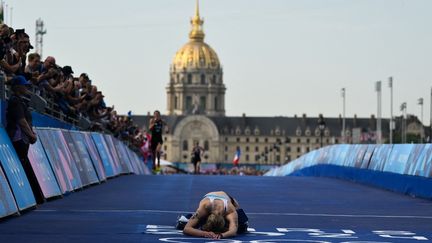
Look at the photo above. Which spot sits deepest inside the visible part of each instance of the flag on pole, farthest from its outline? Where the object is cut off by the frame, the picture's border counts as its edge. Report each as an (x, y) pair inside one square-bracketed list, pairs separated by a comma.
[(236, 159)]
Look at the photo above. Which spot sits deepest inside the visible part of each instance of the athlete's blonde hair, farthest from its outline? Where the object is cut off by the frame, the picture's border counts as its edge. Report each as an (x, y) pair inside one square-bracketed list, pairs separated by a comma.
[(215, 223)]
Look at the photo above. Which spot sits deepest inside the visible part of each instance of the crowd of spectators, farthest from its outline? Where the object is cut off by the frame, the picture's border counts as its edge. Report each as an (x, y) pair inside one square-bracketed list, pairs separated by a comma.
[(76, 96)]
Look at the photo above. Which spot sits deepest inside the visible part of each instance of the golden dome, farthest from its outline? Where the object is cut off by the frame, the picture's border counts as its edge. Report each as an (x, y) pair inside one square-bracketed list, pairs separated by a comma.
[(196, 53)]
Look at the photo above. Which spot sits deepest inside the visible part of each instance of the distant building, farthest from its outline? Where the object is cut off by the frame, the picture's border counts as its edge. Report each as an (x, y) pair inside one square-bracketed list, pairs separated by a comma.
[(196, 113)]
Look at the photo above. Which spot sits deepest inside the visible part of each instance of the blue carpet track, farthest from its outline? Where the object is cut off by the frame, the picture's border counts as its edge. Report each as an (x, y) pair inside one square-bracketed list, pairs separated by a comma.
[(280, 209)]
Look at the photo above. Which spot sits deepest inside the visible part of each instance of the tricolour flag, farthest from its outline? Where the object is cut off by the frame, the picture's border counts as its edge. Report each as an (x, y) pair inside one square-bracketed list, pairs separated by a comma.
[(236, 159)]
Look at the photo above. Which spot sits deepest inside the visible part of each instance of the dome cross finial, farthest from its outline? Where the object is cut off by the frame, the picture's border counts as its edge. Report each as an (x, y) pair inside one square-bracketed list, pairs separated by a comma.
[(197, 9), (197, 32)]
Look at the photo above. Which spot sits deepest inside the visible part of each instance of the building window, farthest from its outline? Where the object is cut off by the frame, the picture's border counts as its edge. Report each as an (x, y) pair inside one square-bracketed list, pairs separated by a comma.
[(189, 78), (206, 145), (298, 149), (247, 140), (277, 158), (226, 148), (298, 140), (178, 78), (165, 148), (256, 149), (336, 140), (288, 149), (266, 140), (238, 139), (247, 157), (317, 141), (203, 102), (247, 148), (289, 158), (216, 105), (185, 145), (176, 102), (287, 140), (188, 103), (226, 139), (307, 140), (203, 81), (256, 140), (226, 157), (185, 157), (213, 79), (307, 149)]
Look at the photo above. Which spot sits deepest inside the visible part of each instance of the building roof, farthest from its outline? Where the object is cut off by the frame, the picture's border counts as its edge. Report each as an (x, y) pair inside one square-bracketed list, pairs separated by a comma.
[(278, 125)]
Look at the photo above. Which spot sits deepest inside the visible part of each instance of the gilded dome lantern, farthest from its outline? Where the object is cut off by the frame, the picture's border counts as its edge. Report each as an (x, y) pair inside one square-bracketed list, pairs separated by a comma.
[(196, 83)]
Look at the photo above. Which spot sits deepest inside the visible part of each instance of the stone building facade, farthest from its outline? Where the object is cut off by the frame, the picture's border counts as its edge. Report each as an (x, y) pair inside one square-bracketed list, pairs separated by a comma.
[(196, 113)]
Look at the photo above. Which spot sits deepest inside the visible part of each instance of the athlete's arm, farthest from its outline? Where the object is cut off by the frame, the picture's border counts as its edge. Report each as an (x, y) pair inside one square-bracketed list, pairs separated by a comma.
[(190, 228), (232, 225), (152, 123)]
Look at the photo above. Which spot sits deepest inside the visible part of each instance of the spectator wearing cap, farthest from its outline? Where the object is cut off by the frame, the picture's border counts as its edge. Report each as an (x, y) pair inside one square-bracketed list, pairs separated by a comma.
[(20, 131)]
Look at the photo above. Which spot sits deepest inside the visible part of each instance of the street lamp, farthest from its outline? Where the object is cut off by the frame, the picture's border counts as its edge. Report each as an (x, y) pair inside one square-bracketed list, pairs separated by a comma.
[(390, 84), (420, 102), (403, 108), (378, 130), (343, 115), (321, 127)]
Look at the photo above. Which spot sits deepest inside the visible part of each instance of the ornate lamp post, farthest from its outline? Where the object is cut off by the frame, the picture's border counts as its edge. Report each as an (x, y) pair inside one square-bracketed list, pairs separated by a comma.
[(321, 127)]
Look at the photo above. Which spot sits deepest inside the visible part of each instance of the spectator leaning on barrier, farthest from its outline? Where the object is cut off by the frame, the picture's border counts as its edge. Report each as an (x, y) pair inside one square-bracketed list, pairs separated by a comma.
[(20, 131)]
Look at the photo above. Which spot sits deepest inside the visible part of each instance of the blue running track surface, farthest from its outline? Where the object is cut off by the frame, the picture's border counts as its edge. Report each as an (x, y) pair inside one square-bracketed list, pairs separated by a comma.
[(280, 209)]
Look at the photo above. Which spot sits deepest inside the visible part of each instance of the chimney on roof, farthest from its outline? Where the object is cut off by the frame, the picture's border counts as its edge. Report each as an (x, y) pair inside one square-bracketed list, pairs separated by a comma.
[(355, 120), (340, 119), (295, 115), (244, 115)]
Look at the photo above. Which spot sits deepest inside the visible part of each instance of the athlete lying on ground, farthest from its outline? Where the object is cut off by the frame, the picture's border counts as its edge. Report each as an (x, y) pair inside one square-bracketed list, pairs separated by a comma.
[(218, 216)]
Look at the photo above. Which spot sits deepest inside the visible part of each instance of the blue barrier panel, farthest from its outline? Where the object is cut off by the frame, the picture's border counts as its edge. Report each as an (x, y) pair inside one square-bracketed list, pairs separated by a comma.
[(342, 154), (367, 156), (412, 185), (82, 159), (94, 155), (108, 163), (15, 173), (355, 155), (121, 168), (322, 158), (398, 159), (135, 166), (123, 158), (7, 201), (421, 161), (66, 157), (43, 171), (380, 157), (52, 144)]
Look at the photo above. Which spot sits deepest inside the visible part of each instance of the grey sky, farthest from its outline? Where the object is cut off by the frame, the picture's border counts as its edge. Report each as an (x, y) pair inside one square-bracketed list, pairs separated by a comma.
[(280, 57)]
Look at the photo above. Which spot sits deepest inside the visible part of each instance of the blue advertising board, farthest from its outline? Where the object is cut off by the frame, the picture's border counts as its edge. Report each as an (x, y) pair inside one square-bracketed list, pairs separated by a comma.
[(367, 156), (120, 167), (420, 162), (94, 155), (123, 158), (398, 160), (43, 171), (58, 163), (15, 173), (380, 157), (105, 155), (82, 159), (7, 201)]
